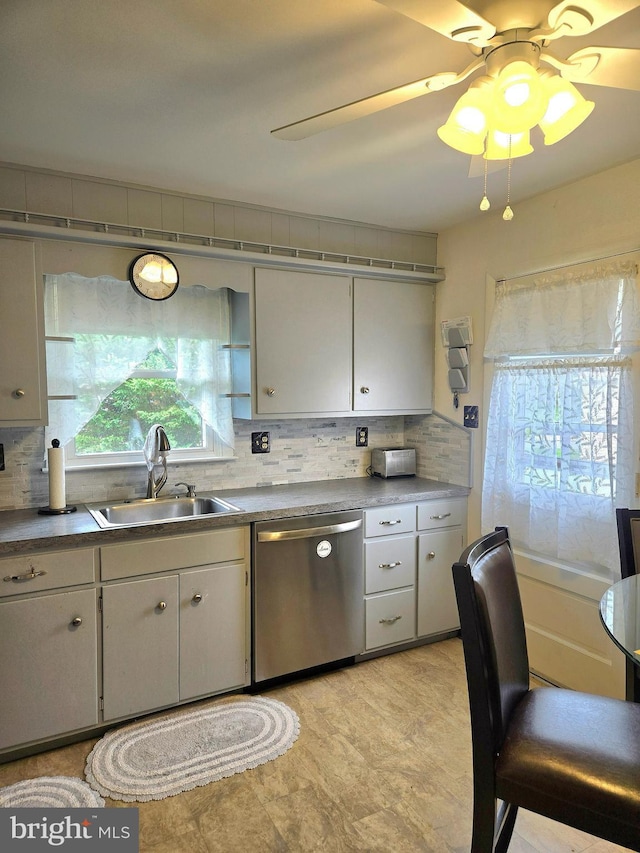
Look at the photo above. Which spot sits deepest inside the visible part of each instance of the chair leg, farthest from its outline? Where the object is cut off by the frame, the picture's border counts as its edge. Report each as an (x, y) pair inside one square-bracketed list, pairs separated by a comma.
[(492, 826)]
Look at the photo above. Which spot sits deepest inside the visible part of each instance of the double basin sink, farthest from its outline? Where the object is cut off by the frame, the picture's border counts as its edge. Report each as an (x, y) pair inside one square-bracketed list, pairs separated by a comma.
[(157, 510)]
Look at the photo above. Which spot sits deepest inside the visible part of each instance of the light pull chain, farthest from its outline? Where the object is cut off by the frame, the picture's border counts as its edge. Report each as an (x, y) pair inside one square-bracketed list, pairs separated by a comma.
[(508, 213), (485, 204)]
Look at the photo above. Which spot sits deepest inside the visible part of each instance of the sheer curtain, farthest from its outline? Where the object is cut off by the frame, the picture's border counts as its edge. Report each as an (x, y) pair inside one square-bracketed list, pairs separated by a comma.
[(559, 450), (190, 329)]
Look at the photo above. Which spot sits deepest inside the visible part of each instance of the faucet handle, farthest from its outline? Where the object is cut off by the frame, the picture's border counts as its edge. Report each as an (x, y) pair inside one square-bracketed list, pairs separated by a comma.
[(191, 489)]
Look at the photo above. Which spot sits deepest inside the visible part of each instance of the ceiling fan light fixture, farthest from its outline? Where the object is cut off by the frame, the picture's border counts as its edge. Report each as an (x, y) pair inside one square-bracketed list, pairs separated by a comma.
[(519, 98), (566, 109)]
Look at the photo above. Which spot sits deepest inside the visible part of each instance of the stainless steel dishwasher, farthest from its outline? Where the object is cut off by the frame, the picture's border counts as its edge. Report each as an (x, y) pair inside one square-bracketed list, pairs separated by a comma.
[(308, 592)]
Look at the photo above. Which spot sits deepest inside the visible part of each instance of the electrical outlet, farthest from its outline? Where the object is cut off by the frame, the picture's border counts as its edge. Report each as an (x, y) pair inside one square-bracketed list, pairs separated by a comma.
[(471, 417), (1, 457), (362, 436), (260, 442)]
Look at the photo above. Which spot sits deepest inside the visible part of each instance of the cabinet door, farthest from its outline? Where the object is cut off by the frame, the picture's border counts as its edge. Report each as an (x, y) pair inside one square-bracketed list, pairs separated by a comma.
[(213, 630), (140, 646), (22, 385), (392, 346), (437, 607), (48, 666), (303, 342)]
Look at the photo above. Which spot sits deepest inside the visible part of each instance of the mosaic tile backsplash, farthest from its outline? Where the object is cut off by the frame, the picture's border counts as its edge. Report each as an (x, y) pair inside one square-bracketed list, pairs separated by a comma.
[(301, 451)]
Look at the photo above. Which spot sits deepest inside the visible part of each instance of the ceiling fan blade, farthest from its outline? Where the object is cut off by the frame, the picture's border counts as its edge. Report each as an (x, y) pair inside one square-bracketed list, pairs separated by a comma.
[(448, 17), (373, 104), (585, 16), (618, 67)]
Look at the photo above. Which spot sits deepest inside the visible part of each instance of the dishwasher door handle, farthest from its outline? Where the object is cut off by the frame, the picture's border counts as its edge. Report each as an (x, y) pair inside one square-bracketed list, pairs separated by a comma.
[(308, 532)]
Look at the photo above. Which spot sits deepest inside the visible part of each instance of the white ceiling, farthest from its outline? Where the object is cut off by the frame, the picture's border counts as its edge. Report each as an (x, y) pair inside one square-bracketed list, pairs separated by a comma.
[(182, 94)]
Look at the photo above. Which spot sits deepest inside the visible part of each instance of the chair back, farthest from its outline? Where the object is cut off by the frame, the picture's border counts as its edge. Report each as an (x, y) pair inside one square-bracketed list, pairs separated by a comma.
[(628, 521), (493, 638)]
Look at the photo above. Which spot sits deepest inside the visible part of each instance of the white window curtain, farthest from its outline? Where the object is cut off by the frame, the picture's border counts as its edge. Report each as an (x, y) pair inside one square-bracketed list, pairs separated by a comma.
[(559, 449), (190, 329)]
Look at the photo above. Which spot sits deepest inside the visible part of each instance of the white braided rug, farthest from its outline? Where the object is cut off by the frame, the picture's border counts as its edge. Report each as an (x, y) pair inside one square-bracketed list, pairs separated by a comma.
[(153, 760), (50, 792)]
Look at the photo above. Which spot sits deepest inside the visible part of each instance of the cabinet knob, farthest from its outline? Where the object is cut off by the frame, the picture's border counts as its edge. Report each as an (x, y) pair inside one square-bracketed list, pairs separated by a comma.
[(431, 555), (76, 622), (162, 605), (19, 392), (364, 390), (197, 598), (271, 392)]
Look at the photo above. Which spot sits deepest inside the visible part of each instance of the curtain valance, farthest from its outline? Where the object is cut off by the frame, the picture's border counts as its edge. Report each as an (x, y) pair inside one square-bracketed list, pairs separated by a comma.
[(591, 309)]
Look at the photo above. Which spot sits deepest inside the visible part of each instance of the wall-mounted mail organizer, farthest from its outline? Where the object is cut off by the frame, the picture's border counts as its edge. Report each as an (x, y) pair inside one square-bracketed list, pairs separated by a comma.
[(457, 337)]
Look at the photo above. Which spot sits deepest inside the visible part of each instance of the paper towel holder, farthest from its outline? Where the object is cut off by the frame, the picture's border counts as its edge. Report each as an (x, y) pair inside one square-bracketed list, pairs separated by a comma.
[(48, 510)]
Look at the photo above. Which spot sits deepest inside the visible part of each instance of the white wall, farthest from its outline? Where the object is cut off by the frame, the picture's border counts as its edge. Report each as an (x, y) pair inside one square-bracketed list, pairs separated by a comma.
[(592, 218)]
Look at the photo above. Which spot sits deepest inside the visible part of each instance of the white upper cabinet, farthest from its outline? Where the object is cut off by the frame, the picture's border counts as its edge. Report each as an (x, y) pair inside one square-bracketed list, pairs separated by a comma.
[(22, 378), (333, 345), (303, 342), (392, 346)]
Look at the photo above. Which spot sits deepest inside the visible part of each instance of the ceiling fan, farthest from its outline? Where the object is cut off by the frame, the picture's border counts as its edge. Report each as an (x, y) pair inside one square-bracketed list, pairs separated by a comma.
[(509, 40)]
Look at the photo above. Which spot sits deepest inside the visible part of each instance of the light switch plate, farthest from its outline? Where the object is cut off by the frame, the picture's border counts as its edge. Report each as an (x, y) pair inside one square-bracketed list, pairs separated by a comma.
[(471, 416)]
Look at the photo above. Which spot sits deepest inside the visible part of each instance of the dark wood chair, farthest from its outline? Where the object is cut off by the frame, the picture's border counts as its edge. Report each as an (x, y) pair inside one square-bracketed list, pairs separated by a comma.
[(572, 757), (629, 542)]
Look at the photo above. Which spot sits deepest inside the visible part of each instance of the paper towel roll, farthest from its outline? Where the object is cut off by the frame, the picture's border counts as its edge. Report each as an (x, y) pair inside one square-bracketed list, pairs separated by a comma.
[(55, 454)]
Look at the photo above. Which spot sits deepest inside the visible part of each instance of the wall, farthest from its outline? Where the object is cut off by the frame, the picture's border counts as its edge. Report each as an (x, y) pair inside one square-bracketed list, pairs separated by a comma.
[(591, 218)]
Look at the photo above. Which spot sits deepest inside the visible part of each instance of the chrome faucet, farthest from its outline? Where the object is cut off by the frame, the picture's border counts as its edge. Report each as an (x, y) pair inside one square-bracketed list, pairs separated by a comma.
[(156, 448)]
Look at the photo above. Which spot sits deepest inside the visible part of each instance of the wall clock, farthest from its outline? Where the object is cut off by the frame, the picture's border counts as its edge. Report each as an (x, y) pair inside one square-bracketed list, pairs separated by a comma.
[(154, 276)]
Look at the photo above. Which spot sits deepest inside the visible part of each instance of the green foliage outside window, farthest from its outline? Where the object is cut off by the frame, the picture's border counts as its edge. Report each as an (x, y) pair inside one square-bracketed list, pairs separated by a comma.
[(126, 415)]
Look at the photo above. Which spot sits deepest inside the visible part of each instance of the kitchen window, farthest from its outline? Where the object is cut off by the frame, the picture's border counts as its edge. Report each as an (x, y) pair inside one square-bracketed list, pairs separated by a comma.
[(560, 449), (117, 364)]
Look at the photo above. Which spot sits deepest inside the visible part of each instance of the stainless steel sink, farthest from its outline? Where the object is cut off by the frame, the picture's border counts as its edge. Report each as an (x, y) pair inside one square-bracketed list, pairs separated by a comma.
[(156, 511)]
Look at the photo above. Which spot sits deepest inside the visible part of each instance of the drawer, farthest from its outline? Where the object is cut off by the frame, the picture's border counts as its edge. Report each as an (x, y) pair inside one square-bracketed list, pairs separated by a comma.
[(389, 563), (149, 556), (388, 520), (448, 512), (38, 571), (390, 618)]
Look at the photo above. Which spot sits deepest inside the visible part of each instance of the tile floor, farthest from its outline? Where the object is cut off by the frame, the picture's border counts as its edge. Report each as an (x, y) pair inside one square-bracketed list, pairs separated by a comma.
[(383, 763)]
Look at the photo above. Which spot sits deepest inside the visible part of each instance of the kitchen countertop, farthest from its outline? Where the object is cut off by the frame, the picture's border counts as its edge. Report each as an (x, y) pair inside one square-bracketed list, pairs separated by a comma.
[(25, 530)]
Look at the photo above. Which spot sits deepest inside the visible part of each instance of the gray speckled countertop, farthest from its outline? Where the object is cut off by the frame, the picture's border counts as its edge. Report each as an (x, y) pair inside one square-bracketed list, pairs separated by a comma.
[(25, 530)]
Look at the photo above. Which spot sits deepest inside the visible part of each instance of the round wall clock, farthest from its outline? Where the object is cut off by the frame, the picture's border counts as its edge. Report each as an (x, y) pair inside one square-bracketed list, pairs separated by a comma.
[(153, 276)]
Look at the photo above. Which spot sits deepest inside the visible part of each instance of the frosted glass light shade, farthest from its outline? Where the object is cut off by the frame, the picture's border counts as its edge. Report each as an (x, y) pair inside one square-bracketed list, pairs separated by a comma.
[(519, 98), (498, 147), (566, 109), (466, 128)]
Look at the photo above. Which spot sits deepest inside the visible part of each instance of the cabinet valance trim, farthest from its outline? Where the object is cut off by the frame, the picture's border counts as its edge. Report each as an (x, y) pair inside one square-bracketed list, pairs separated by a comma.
[(43, 226)]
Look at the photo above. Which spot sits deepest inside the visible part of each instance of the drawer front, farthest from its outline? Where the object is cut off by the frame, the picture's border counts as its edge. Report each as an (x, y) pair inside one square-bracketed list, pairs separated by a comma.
[(170, 553), (389, 520), (449, 512), (390, 563), (39, 571), (390, 618)]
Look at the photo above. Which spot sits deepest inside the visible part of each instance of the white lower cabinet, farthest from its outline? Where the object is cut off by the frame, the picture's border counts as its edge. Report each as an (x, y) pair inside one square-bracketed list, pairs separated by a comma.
[(139, 646), (438, 549), (49, 672), (409, 551), (178, 635)]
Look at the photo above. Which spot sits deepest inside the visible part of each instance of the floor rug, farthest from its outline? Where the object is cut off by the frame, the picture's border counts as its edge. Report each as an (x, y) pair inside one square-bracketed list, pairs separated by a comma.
[(50, 792), (166, 756)]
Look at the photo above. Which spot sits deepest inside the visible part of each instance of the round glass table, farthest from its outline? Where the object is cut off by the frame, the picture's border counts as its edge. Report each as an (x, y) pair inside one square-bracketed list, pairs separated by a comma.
[(620, 614)]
